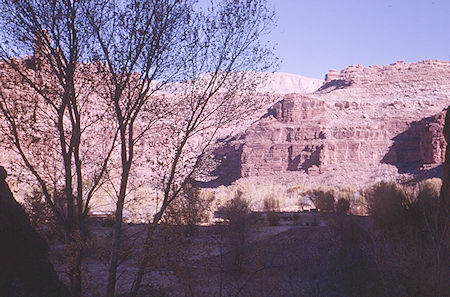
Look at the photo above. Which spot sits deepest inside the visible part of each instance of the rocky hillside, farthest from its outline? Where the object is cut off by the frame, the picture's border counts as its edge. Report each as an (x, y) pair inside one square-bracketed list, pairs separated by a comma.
[(363, 124), (356, 126)]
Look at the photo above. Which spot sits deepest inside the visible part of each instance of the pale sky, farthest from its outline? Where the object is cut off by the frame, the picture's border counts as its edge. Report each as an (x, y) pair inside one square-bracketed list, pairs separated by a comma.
[(314, 36)]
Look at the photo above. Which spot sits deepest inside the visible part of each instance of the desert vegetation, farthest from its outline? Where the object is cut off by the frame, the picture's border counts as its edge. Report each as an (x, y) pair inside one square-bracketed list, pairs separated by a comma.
[(124, 103), (98, 88), (376, 254), (406, 233)]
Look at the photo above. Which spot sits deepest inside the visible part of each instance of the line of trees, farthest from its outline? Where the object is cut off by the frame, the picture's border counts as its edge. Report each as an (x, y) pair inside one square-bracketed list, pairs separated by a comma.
[(84, 106)]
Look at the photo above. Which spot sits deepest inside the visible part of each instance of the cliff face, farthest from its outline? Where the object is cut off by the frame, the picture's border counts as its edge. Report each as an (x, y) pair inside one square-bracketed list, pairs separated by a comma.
[(290, 138), (428, 78), (360, 119), (378, 119)]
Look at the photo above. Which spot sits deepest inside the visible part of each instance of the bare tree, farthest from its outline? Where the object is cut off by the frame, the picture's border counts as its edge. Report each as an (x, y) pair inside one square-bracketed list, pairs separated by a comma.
[(146, 45), (58, 120), (138, 41), (220, 57), (46, 103)]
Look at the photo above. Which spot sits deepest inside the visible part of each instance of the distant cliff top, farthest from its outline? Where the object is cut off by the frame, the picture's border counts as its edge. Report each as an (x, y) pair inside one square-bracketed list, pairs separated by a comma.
[(283, 83), (424, 79)]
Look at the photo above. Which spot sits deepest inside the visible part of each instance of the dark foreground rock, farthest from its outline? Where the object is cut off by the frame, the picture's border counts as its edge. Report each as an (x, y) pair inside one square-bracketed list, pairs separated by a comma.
[(25, 269)]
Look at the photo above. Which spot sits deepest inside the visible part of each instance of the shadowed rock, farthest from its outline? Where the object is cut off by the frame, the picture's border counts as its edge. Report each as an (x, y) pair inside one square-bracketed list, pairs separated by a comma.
[(24, 266), (445, 190), (422, 143)]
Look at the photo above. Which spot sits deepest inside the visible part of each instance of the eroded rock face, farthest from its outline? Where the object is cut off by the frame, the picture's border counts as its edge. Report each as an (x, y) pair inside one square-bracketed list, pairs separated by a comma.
[(362, 117), (290, 139), (300, 137), (333, 74), (24, 266), (295, 108), (432, 142), (409, 80)]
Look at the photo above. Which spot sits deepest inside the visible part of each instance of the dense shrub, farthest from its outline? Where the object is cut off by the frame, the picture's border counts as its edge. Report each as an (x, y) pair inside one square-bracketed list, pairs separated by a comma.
[(272, 209), (41, 216), (237, 212), (342, 206), (428, 197), (393, 208), (323, 199), (386, 203), (408, 228), (190, 209), (405, 254)]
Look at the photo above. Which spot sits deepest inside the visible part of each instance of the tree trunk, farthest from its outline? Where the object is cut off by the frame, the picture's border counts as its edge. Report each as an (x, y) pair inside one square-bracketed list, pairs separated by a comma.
[(145, 257), (117, 234), (75, 271)]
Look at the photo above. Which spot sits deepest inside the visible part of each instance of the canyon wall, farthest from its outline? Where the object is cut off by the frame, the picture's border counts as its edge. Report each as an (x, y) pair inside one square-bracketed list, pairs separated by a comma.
[(361, 118), (357, 121)]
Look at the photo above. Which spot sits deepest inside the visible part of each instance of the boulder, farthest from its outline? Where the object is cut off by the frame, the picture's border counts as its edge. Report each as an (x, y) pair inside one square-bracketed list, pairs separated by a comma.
[(25, 269)]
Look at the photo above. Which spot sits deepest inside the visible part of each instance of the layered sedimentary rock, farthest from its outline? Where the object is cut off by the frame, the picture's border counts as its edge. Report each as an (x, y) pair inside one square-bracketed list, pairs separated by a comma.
[(333, 74), (360, 118), (428, 78), (277, 143)]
